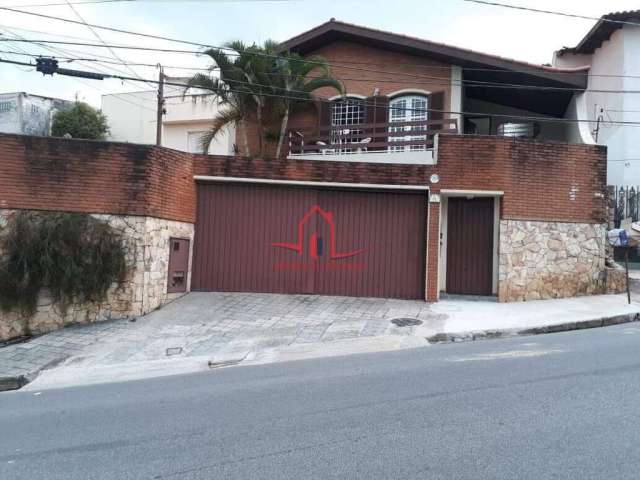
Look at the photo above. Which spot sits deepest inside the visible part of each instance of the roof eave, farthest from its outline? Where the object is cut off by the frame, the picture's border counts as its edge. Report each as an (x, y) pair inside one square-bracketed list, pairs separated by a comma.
[(454, 55)]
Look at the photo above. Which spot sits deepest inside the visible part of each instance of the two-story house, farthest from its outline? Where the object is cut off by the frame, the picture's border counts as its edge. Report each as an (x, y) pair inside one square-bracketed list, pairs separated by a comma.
[(611, 53), (441, 171)]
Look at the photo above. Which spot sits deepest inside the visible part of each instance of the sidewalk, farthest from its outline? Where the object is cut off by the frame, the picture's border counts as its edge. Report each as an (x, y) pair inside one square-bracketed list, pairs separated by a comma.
[(208, 330)]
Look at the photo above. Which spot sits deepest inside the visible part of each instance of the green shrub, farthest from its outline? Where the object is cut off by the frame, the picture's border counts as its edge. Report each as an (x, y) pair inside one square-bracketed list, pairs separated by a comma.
[(81, 121), (76, 256)]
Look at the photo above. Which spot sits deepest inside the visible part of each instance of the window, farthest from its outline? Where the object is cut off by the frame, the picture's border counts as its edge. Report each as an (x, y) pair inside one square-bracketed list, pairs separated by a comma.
[(349, 111), (6, 106), (412, 110), (194, 141)]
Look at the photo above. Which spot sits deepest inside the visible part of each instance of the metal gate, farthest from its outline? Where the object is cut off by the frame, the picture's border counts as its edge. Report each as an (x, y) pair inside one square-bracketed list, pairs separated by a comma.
[(257, 238)]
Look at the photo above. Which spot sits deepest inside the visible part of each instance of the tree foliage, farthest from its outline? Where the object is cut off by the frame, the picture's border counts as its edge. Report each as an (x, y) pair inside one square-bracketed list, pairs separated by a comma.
[(76, 256), (261, 83), (81, 121)]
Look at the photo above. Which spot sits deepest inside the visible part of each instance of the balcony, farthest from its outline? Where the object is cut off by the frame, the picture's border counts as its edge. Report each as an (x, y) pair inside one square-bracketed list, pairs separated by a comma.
[(410, 142)]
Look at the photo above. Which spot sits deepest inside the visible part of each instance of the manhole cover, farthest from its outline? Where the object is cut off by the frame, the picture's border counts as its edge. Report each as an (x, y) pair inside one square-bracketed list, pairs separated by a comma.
[(406, 322)]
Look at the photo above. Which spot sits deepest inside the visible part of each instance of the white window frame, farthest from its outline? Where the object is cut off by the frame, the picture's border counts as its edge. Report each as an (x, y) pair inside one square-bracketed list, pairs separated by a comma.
[(408, 113), (354, 114)]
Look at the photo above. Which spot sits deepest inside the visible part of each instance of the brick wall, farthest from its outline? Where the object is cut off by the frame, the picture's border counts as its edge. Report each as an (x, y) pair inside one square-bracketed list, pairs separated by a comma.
[(363, 72), (43, 173), (540, 180)]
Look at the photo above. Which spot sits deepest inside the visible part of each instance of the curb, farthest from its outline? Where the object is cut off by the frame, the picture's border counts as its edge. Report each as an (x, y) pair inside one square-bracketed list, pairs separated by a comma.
[(561, 327), (13, 383)]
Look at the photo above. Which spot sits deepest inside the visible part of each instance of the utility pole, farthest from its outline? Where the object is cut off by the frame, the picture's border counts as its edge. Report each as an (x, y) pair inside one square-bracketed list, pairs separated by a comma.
[(160, 112)]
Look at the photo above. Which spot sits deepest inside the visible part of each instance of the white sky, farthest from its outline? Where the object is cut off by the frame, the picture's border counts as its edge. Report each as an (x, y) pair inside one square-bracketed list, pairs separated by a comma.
[(526, 36)]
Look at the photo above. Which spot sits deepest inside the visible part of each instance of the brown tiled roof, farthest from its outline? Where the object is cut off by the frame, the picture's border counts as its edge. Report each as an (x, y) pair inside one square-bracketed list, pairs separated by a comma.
[(602, 31), (334, 29)]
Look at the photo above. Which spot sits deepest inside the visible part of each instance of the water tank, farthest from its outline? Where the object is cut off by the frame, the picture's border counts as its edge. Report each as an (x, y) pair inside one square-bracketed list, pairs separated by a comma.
[(520, 129)]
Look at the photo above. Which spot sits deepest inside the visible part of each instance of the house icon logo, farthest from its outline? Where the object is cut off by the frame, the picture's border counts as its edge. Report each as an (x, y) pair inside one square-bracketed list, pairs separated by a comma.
[(317, 245)]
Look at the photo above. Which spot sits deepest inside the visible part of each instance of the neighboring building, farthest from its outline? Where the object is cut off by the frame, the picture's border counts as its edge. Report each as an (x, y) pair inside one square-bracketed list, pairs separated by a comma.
[(611, 52), (132, 118), (28, 114)]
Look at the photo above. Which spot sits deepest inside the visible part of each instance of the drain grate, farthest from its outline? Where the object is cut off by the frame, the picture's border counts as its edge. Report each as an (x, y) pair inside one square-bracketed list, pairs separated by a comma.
[(406, 322)]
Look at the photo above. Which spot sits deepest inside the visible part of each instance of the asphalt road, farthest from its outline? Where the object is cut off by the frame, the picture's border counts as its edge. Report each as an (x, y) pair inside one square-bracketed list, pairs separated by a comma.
[(555, 406)]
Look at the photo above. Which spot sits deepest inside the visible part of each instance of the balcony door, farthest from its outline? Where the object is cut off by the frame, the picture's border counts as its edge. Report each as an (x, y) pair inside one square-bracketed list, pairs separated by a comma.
[(346, 116), (410, 112)]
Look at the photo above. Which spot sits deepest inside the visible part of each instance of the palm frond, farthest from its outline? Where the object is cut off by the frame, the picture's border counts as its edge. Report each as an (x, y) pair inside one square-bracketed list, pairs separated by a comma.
[(222, 119)]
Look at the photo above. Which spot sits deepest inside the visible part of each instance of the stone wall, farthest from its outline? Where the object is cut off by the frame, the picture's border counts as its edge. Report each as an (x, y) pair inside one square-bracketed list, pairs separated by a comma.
[(540, 260), (145, 287)]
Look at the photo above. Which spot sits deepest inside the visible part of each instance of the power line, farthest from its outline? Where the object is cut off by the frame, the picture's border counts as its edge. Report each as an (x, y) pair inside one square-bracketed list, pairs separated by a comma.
[(97, 35), (129, 32), (57, 50), (469, 83), (111, 62), (53, 49), (84, 2), (386, 107), (551, 12), (187, 42)]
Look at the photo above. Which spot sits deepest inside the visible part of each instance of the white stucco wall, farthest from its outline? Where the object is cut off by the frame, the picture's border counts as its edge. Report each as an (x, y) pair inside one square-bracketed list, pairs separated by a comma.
[(132, 118), (27, 114), (620, 55)]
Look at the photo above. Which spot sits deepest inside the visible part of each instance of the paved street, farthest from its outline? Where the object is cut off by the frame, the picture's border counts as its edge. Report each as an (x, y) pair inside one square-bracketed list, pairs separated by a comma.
[(552, 406)]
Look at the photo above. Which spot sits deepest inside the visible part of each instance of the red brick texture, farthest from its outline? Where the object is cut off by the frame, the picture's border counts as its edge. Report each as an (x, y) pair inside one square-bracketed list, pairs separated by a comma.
[(540, 180), (42, 173), (361, 69)]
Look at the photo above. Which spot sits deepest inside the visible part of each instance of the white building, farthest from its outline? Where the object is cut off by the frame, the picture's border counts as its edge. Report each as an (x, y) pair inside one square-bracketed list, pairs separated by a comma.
[(132, 118), (28, 114), (612, 51)]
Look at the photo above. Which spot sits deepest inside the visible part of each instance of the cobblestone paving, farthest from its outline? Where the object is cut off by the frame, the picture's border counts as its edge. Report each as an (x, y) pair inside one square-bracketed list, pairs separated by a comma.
[(216, 324)]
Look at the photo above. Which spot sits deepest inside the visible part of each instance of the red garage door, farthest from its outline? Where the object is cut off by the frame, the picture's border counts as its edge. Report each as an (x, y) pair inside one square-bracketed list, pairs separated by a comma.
[(256, 238)]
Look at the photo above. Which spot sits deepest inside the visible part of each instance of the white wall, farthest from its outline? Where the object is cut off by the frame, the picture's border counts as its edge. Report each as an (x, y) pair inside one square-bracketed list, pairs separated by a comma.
[(620, 55), (186, 137), (27, 114), (10, 113), (132, 118)]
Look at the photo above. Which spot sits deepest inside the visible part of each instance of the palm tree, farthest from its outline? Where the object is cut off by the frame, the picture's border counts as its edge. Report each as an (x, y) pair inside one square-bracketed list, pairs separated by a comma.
[(294, 86), (260, 81), (233, 89)]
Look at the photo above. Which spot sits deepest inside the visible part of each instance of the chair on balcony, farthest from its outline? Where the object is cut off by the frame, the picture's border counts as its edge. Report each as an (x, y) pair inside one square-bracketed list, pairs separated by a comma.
[(324, 151), (364, 141)]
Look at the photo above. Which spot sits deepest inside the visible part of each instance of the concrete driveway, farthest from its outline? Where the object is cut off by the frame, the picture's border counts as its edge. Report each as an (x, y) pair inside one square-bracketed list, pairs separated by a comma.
[(210, 329), (207, 330)]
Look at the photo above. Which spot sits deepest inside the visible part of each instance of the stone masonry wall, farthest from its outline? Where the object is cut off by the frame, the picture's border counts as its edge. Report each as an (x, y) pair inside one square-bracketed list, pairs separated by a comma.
[(145, 287), (541, 260)]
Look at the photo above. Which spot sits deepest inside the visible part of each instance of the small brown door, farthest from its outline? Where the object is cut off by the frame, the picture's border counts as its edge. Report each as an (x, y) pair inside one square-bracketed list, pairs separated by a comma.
[(178, 265), (470, 224)]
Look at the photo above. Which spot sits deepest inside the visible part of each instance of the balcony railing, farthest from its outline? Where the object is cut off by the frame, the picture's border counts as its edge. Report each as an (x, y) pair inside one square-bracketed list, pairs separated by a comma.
[(394, 137)]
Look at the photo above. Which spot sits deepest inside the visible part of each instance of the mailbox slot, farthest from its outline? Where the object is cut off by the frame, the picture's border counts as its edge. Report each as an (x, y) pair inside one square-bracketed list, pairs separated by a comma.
[(178, 265)]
